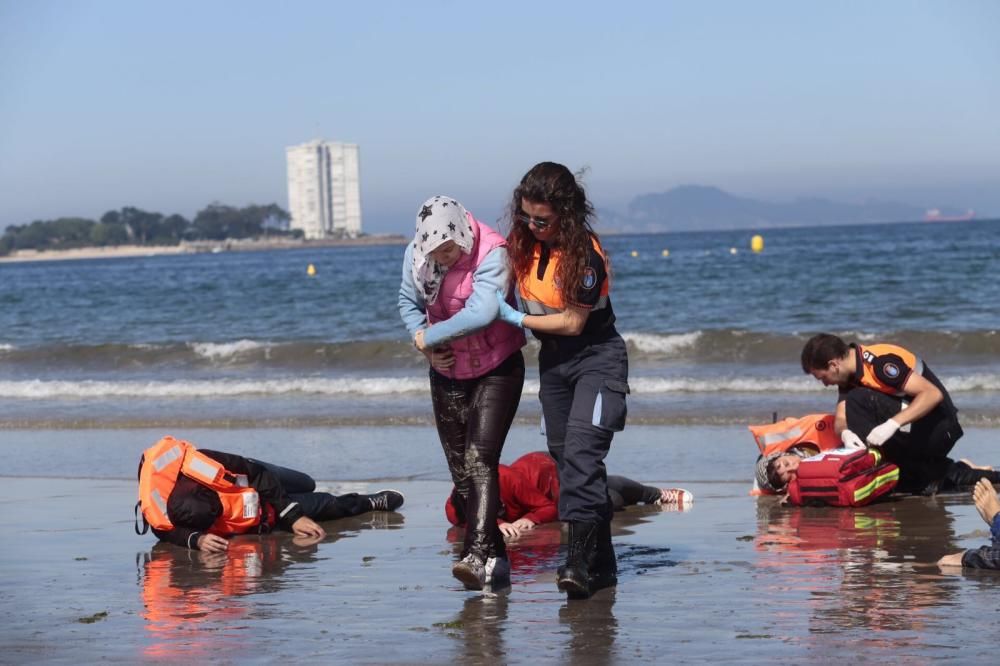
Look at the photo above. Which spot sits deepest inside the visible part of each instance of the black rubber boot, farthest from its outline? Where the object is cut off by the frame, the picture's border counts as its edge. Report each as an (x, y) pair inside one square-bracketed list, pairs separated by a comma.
[(604, 569), (573, 578)]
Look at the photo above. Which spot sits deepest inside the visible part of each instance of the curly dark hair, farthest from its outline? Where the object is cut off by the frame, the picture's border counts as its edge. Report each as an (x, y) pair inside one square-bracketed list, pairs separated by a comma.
[(553, 184)]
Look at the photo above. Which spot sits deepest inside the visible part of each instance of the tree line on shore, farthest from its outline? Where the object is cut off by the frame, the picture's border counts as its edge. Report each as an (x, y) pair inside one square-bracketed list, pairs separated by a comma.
[(133, 226)]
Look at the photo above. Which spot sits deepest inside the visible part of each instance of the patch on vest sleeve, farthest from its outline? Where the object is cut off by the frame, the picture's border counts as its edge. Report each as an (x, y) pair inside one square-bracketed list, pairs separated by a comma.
[(589, 280)]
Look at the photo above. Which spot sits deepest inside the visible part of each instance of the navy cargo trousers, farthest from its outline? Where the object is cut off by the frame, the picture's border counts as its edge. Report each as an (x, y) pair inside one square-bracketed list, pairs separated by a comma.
[(583, 384)]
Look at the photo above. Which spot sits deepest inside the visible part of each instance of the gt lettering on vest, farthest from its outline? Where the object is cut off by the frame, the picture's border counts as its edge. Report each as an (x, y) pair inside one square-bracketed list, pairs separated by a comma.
[(481, 351), (159, 469), (541, 294)]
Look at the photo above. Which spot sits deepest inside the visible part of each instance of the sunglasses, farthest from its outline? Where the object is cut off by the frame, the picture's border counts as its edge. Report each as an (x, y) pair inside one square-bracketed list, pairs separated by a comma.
[(540, 223)]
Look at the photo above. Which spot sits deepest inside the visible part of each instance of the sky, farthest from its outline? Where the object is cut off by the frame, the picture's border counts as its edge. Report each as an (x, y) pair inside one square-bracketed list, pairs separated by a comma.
[(172, 106)]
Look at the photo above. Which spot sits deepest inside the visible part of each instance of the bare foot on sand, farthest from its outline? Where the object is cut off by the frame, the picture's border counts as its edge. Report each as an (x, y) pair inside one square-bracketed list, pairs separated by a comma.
[(954, 560), (986, 500), (975, 466)]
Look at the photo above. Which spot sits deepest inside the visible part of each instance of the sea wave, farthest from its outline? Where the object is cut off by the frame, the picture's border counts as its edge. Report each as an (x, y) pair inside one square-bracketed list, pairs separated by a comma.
[(219, 351), (39, 389), (670, 344), (243, 353), (941, 349), (938, 348), (385, 386)]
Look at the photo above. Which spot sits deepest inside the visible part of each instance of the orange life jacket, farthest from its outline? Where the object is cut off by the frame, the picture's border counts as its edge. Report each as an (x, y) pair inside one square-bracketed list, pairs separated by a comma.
[(812, 429), (159, 468)]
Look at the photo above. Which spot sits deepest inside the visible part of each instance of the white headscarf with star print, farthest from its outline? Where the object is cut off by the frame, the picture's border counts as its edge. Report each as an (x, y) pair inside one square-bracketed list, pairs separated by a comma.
[(439, 220)]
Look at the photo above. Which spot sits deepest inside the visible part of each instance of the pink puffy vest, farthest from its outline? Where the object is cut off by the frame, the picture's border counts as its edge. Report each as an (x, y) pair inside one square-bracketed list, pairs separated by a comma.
[(477, 353)]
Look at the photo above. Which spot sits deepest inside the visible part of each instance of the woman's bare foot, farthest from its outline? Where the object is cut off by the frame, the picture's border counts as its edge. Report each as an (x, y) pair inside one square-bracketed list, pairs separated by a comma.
[(986, 500), (975, 466), (953, 560)]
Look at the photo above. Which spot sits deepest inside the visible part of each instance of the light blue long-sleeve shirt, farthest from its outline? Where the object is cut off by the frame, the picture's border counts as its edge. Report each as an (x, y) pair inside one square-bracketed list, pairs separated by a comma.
[(480, 309)]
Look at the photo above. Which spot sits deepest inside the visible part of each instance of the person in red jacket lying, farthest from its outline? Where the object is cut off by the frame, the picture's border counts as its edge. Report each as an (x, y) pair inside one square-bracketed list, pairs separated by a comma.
[(529, 495)]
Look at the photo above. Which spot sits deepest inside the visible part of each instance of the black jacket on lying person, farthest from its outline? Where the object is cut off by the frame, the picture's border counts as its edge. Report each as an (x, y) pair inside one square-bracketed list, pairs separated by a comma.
[(193, 507)]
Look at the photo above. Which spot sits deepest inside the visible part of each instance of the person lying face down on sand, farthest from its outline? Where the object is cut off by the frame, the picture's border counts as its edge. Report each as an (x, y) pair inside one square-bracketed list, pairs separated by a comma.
[(529, 494), (984, 557)]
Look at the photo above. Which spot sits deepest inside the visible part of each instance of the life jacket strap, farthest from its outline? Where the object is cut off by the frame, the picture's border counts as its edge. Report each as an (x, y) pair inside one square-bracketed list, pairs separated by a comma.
[(138, 514)]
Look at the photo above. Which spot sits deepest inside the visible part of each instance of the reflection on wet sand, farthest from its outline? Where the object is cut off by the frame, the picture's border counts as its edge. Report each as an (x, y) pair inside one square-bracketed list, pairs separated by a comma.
[(864, 568), (198, 604), (590, 626), (480, 626), (593, 628), (535, 554)]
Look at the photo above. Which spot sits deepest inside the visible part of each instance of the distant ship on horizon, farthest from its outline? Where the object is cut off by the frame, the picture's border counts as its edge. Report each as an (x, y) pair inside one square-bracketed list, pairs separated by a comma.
[(935, 215)]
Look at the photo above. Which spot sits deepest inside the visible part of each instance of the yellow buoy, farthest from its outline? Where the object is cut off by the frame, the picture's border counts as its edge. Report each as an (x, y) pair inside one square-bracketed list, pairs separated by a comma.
[(757, 243), (635, 253), (665, 253), (311, 270)]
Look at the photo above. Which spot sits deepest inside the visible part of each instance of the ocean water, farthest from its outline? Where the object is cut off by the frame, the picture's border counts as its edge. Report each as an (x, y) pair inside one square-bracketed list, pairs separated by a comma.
[(714, 330)]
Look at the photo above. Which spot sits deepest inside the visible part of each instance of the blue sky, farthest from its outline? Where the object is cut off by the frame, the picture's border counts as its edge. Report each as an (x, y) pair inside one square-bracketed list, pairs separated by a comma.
[(169, 106)]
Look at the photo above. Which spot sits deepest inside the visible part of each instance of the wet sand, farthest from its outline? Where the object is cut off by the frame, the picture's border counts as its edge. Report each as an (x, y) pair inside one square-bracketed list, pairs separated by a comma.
[(733, 579)]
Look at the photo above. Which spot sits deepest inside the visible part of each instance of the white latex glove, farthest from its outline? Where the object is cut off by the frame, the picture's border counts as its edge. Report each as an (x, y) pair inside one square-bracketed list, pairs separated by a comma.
[(881, 434), (850, 440)]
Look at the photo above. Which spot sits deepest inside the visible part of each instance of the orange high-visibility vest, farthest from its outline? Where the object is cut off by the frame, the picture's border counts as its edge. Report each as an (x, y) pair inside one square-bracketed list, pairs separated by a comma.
[(868, 353), (542, 296), (158, 471)]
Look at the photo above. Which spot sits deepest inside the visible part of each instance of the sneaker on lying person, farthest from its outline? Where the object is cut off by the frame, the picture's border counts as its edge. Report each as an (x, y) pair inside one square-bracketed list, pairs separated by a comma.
[(386, 500), (675, 496)]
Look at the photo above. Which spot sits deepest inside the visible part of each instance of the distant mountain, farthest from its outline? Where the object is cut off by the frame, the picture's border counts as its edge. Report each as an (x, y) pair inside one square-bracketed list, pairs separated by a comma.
[(690, 207)]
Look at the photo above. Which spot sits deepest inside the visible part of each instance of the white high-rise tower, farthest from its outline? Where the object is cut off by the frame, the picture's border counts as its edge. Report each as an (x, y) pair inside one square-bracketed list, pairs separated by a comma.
[(324, 191)]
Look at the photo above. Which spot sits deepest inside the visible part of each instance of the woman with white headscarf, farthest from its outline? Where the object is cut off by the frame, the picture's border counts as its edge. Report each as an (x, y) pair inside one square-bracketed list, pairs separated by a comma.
[(448, 300)]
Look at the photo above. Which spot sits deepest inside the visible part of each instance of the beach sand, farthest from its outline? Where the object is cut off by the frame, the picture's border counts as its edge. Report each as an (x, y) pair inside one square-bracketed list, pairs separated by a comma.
[(116, 252), (192, 247), (733, 579)]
